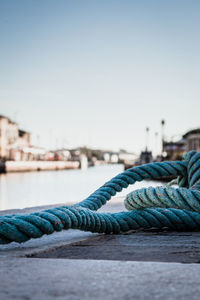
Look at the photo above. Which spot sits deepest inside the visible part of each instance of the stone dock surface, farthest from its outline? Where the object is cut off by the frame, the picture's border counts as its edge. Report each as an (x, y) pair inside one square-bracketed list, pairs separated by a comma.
[(80, 265)]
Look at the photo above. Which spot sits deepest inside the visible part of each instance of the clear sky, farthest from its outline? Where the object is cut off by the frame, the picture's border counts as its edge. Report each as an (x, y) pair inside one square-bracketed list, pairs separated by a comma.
[(98, 72)]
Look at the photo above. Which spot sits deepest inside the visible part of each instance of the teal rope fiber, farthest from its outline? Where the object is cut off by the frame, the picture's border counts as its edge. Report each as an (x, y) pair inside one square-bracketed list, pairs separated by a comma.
[(173, 208)]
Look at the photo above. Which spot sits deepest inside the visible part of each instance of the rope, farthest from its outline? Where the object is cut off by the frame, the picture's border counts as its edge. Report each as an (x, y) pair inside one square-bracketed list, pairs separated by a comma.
[(161, 207)]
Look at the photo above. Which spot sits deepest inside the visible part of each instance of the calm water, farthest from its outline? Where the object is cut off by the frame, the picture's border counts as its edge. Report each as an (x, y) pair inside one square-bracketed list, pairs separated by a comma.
[(19, 190)]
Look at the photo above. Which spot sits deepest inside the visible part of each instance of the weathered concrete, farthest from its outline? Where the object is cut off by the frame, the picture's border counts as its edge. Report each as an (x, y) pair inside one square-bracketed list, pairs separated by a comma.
[(108, 270), (93, 279), (139, 246)]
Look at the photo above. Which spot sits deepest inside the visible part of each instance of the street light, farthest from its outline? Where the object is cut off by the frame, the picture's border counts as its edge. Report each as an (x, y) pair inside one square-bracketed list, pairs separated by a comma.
[(162, 134), (147, 138)]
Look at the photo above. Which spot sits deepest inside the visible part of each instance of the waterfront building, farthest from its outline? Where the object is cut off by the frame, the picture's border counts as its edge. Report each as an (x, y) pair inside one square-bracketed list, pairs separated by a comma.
[(127, 156), (119, 157), (8, 135), (111, 157), (192, 140), (62, 154), (174, 150), (12, 139)]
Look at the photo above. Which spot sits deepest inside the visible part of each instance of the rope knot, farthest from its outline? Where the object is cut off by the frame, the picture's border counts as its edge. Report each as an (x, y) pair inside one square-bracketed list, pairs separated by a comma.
[(187, 196)]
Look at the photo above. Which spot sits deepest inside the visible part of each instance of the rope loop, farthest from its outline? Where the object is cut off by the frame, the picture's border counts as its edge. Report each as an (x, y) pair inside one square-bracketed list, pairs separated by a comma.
[(160, 207)]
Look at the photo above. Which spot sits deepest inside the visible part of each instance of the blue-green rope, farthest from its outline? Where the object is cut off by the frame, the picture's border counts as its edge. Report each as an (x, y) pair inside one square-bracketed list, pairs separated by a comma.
[(165, 206)]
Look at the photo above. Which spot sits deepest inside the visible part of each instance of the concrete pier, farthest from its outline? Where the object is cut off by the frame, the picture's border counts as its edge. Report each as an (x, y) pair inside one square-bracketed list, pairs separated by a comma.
[(24, 166), (80, 265)]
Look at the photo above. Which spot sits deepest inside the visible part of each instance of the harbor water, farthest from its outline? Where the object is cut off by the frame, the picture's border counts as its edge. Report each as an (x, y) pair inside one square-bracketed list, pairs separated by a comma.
[(27, 189)]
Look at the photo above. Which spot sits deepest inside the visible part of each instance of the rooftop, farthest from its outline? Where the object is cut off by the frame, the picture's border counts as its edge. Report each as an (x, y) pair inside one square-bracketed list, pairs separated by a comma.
[(193, 131), (4, 117)]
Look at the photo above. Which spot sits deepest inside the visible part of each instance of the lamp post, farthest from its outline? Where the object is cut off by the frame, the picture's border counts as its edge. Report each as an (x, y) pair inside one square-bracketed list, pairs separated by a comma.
[(147, 138), (162, 134), (156, 143)]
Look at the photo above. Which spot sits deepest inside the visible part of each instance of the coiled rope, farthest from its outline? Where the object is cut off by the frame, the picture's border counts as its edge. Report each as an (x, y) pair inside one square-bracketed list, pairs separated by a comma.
[(160, 207)]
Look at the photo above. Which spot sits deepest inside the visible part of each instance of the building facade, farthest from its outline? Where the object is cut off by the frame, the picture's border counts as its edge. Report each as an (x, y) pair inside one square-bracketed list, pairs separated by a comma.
[(192, 140), (12, 139), (174, 150)]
